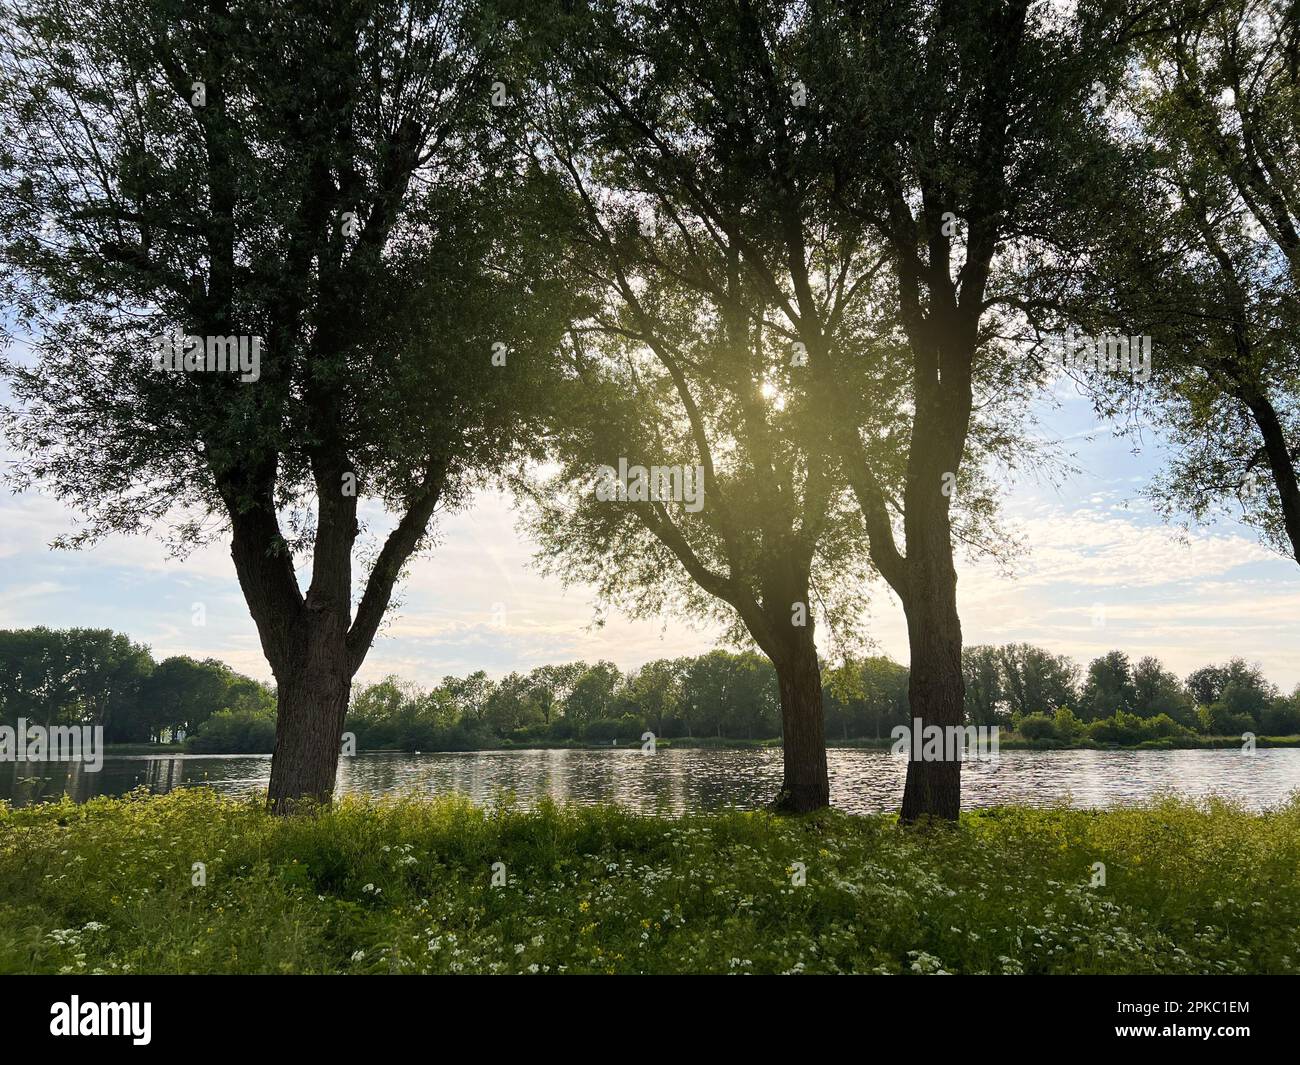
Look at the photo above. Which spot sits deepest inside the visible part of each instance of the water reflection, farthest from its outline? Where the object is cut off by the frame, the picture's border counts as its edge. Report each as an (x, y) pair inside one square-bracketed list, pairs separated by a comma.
[(678, 780)]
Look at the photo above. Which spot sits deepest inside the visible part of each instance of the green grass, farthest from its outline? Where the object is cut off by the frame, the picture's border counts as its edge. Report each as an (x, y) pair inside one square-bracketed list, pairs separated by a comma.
[(405, 886)]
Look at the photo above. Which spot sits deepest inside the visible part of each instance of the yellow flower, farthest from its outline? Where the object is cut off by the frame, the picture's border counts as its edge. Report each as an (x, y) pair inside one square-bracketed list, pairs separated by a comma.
[(584, 906)]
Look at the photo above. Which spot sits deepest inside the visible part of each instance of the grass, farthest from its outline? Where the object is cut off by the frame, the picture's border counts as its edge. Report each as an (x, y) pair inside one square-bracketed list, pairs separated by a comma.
[(405, 887)]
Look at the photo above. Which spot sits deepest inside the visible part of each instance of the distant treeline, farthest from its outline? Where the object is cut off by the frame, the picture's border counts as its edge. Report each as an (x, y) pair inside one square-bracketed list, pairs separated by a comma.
[(734, 696), (100, 677), (95, 676)]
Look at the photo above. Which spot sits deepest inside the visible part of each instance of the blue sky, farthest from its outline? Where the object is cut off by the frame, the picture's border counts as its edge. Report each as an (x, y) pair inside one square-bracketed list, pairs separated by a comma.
[(1100, 571)]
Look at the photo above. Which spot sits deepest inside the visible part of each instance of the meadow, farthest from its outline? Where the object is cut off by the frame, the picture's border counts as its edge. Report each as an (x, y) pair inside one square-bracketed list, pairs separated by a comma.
[(191, 882)]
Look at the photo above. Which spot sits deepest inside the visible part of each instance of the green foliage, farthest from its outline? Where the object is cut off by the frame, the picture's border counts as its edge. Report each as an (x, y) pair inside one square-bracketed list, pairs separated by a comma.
[(1282, 718), (1219, 720), (403, 886), (328, 186), (1128, 729), (84, 675), (235, 732), (607, 729), (62, 676), (96, 676), (1158, 691), (1108, 688), (1017, 678), (867, 697), (1038, 727), (1068, 725), (1209, 260)]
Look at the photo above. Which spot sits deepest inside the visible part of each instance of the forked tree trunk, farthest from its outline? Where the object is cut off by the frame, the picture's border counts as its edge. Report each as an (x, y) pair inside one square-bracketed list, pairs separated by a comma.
[(806, 785), (936, 693)]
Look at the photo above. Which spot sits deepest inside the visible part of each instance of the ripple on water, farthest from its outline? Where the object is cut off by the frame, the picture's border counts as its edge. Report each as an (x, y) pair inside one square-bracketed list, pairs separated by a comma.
[(862, 781)]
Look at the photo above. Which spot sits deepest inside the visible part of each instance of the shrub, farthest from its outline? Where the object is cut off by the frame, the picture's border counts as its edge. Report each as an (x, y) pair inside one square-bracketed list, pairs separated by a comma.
[(534, 733), (1068, 724), (1282, 718), (1162, 725), (1120, 728), (562, 729), (1038, 727), (1129, 729), (625, 729), (235, 732), (1219, 720)]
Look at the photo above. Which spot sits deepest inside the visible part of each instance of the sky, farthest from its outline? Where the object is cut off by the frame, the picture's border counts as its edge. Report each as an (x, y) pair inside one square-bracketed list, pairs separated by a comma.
[(1099, 571)]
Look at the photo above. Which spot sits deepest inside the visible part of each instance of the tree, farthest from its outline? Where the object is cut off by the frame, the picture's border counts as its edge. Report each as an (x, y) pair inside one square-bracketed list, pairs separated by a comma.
[(109, 674), (470, 695), (689, 364), (1282, 718), (982, 677), (375, 712), (74, 676), (752, 709), (1210, 258), (323, 194), (37, 681), (513, 705), (1108, 687), (592, 696), (1158, 691), (844, 178), (181, 693), (1237, 685), (550, 687), (654, 691), (1245, 689), (922, 118), (729, 694), (1036, 680), (1206, 684), (868, 696)]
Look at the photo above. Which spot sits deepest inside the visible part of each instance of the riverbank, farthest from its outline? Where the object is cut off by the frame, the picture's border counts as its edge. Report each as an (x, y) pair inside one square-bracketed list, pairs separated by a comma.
[(1013, 741), (1008, 741), (194, 883)]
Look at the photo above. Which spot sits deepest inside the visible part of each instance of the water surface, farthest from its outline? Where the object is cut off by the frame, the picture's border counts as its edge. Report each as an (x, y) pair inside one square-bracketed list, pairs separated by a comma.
[(862, 781)]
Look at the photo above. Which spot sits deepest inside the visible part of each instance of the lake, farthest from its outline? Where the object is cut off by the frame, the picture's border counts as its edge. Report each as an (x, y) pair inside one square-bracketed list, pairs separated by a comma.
[(862, 781)]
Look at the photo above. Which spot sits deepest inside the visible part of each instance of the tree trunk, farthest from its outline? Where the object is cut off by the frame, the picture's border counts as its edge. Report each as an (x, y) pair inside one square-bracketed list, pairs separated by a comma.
[(308, 737), (806, 785), (936, 693), (311, 704), (1280, 462)]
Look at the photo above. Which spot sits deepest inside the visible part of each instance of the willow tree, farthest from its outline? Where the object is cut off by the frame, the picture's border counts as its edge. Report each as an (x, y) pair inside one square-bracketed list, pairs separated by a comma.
[(1210, 263), (965, 138), (686, 365), (859, 168), (726, 511), (739, 137), (327, 182)]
